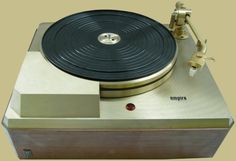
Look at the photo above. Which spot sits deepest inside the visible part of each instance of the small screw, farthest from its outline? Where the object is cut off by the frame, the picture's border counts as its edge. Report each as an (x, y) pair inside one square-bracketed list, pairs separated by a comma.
[(27, 153)]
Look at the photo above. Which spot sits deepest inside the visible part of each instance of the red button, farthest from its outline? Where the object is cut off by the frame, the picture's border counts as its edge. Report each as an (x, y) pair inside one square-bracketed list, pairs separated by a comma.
[(130, 106)]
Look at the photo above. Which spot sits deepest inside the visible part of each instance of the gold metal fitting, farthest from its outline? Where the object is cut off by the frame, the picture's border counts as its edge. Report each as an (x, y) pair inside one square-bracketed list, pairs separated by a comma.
[(179, 19)]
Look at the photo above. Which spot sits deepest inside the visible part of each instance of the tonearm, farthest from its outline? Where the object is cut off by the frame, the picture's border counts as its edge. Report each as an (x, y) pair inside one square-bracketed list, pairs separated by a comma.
[(179, 19)]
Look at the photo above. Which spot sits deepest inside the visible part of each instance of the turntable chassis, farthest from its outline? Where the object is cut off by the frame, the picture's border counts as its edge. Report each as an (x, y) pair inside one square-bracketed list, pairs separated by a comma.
[(183, 118)]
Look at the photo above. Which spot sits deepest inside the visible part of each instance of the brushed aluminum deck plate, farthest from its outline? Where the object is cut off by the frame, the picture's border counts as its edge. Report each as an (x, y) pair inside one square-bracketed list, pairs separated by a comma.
[(181, 102)]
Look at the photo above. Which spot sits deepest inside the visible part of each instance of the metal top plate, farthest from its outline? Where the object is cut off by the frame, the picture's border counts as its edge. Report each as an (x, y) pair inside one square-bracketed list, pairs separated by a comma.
[(204, 107)]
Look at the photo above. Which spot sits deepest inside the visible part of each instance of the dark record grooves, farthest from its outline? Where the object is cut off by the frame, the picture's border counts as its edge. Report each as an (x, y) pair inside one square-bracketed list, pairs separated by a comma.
[(142, 46)]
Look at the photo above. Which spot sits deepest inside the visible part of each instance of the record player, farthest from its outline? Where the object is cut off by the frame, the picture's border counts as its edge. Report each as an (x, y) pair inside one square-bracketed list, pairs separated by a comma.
[(116, 84)]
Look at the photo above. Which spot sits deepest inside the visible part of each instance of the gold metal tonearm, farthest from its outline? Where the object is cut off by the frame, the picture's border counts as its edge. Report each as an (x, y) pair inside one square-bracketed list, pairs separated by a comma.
[(179, 18)]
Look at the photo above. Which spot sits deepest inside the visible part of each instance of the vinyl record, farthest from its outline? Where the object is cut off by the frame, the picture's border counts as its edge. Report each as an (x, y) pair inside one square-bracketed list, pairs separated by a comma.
[(109, 46)]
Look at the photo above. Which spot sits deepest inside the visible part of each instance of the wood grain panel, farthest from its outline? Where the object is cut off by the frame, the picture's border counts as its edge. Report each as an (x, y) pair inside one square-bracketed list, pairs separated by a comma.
[(174, 143)]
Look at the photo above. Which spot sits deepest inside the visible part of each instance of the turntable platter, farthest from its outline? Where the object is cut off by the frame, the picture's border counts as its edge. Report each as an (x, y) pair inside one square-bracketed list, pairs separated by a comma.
[(111, 46)]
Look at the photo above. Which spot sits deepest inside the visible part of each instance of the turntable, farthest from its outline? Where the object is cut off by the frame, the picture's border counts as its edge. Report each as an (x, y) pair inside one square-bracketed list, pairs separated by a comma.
[(116, 84)]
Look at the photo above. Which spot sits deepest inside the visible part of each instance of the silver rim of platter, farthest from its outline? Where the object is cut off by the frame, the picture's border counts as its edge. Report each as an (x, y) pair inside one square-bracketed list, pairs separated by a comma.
[(126, 52)]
